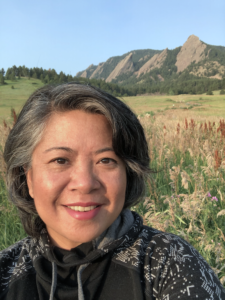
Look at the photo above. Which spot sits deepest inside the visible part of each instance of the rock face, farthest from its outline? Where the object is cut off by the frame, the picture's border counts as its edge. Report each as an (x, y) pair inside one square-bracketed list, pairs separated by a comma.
[(84, 74), (192, 50), (143, 58), (124, 66), (155, 62), (193, 53), (97, 71), (160, 77), (202, 71)]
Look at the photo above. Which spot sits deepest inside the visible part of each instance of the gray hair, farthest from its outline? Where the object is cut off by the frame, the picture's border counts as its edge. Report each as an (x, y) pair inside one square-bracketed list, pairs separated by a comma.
[(128, 140)]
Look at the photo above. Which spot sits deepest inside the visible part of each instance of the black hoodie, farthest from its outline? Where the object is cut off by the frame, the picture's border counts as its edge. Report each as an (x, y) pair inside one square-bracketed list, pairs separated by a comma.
[(128, 261)]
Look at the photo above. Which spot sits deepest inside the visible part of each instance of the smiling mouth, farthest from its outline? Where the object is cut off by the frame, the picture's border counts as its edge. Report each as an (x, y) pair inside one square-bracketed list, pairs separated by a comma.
[(83, 209)]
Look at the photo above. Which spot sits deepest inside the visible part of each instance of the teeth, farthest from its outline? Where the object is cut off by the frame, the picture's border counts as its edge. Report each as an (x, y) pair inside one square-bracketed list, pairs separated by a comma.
[(81, 208)]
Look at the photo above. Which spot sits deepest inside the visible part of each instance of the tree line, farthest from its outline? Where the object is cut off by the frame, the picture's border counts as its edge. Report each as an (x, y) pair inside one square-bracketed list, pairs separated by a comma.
[(50, 76), (174, 84)]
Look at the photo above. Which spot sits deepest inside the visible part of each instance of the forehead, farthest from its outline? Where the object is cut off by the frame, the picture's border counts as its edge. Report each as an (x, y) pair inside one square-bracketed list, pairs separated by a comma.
[(73, 128)]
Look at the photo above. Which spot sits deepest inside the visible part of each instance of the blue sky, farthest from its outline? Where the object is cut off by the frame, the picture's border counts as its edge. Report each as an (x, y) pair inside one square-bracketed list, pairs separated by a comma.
[(70, 35)]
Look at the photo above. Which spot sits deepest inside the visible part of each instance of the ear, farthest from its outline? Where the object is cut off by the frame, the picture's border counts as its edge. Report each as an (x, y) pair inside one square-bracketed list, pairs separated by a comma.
[(29, 175)]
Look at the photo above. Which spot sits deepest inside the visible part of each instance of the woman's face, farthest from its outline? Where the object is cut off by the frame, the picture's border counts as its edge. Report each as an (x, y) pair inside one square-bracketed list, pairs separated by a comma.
[(77, 181)]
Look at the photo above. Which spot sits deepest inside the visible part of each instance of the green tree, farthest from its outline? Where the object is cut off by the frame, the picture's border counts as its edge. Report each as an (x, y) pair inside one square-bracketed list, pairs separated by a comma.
[(55, 79), (46, 80), (12, 76), (222, 92), (209, 92), (1, 79), (171, 92), (2, 72)]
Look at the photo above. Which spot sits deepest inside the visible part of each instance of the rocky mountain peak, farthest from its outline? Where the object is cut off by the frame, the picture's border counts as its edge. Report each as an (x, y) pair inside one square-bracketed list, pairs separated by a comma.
[(155, 62), (124, 66), (192, 50)]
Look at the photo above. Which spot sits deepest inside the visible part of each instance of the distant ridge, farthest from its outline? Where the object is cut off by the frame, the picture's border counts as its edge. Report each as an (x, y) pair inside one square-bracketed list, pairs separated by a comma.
[(138, 66), (155, 62), (194, 68)]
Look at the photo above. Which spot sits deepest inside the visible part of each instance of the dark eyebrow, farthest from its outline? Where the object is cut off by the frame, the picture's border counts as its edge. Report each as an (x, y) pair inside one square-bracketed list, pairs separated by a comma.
[(70, 150), (59, 148), (104, 150)]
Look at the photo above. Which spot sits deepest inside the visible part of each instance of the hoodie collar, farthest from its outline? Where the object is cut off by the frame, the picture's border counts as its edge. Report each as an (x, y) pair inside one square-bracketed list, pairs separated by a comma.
[(124, 228)]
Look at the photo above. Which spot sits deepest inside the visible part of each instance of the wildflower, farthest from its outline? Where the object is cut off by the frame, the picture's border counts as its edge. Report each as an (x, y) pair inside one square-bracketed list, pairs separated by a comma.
[(209, 195), (219, 244), (212, 241), (214, 198)]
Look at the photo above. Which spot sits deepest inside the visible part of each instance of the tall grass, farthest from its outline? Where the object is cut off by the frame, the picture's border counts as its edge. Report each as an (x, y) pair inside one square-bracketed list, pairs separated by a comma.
[(186, 195), (11, 229)]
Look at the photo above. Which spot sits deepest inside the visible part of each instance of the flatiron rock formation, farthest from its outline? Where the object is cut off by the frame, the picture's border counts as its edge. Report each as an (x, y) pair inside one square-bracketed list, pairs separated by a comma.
[(192, 50), (97, 71), (155, 62), (83, 74), (138, 66), (86, 73), (124, 66)]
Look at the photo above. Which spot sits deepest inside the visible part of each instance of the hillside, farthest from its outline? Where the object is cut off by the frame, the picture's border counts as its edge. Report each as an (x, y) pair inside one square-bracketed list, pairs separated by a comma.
[(104, 69), (194, 61), (194, 68)]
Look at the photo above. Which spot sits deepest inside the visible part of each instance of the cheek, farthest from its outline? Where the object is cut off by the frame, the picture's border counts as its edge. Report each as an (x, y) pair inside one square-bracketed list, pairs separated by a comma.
[(116, 187), (46, 186)]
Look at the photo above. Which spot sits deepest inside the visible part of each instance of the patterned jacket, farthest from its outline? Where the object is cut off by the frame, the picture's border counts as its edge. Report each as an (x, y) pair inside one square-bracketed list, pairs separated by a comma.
[(144, 263)]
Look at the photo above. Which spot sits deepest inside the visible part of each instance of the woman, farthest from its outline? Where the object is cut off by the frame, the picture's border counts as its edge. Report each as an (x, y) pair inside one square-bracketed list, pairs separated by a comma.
[(77, 160)]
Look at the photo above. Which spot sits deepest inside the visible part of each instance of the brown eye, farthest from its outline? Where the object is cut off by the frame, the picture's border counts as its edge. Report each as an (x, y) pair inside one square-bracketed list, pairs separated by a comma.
[(107, 160), (61, 161)]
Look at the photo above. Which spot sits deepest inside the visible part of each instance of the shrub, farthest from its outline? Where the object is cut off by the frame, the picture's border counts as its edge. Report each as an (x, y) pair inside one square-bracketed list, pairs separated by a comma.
[(209, 92)]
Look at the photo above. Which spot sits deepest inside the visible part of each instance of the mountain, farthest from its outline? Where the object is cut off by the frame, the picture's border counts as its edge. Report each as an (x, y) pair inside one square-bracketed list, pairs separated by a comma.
[(195, 59), (104, 69), (194, 68)]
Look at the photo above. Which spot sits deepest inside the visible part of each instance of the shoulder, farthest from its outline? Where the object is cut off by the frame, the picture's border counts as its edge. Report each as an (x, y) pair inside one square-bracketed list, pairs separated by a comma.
[(180, 269), (159, 247), (135, 245), (14, 250), (14, 261), (166, 263)]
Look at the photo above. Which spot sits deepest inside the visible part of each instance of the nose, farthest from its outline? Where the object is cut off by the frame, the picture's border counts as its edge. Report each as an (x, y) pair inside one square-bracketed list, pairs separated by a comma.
[(83, 179)]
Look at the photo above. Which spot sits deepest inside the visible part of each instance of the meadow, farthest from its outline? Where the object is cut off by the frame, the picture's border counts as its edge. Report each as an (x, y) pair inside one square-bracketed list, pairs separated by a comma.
[(15, 97), (186, 191)]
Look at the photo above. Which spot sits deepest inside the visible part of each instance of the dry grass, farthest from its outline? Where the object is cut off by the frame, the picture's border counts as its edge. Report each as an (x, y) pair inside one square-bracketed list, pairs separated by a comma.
[(186, 195)]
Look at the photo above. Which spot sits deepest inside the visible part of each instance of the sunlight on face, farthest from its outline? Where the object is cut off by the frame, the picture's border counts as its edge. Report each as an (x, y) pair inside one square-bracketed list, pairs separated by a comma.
[(77, 181)]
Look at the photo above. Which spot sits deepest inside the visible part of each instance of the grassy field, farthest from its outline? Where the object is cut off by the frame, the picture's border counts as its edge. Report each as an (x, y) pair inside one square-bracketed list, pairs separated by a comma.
[(15, 98), (180, 105), (186, 194)]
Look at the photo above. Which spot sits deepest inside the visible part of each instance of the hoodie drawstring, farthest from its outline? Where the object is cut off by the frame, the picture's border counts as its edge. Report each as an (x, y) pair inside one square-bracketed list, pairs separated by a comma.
[(54, 280), (79, 281), (119, 227)]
